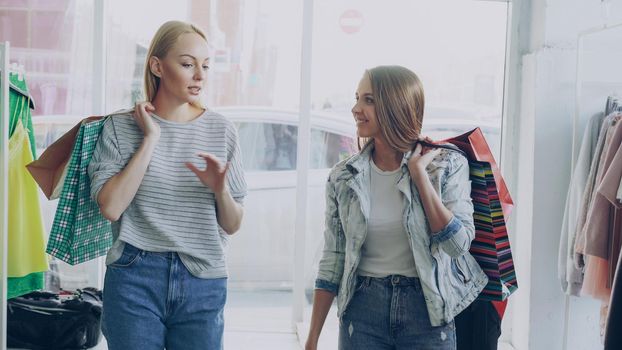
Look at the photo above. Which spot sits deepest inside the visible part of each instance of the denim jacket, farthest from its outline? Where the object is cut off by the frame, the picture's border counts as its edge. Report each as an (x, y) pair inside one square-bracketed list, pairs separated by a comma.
[(450, 277)]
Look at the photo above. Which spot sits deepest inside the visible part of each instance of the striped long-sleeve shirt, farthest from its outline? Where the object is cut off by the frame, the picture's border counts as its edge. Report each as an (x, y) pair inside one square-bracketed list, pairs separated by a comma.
[(172, 210)]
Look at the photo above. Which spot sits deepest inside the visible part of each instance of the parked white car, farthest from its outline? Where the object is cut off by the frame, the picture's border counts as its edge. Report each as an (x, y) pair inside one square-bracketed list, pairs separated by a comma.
[(263, 250)]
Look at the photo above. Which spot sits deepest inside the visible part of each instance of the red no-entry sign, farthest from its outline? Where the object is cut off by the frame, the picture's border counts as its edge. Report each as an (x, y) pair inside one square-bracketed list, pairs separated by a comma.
[(351, 21)]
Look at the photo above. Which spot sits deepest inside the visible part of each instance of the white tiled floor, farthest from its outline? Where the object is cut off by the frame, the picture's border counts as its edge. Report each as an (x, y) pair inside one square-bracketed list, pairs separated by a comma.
[(249, 340), (257, 321), (242, 340)]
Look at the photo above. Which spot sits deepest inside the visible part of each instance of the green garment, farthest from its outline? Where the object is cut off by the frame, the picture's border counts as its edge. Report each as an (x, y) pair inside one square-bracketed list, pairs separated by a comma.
[(19, 110), (17, 286)]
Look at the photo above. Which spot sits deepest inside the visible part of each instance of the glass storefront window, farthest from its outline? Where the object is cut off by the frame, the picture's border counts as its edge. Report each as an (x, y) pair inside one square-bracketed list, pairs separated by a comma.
[(254, 80), (272, 147), (458, 54), (53, 41)]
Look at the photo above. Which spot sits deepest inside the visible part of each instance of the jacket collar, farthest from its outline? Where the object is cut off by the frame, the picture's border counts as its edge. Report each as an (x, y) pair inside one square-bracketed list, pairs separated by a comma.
[(360, 161)]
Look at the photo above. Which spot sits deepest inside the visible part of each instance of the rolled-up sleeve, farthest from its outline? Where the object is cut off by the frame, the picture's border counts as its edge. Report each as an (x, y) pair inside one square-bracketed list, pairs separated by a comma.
[(455, 238), (107, 160), (235, 174), (331, 264)]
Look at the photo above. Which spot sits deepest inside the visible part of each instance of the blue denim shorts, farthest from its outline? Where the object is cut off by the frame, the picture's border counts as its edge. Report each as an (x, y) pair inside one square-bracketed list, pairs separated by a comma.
[(390, 313), (152, 302)]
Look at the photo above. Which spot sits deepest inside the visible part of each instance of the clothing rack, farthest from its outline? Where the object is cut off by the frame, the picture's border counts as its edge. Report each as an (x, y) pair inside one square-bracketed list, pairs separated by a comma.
[(614, 104), (4, 169), (598, 81)]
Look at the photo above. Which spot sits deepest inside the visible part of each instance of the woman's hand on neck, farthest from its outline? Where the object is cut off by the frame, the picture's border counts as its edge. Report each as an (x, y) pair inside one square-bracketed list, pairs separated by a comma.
[(172, 110), (385, 157)]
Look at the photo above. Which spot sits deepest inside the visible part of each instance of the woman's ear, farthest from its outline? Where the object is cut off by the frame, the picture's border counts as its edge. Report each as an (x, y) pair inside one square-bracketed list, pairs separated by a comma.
[(155, 66)]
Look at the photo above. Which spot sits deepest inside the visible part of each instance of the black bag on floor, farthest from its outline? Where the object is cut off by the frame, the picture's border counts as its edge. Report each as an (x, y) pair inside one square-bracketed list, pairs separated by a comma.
[(43, 320)]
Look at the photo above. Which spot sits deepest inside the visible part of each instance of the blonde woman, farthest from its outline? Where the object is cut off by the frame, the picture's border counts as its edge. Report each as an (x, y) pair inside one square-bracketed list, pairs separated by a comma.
[(169, 177), (399, 223)]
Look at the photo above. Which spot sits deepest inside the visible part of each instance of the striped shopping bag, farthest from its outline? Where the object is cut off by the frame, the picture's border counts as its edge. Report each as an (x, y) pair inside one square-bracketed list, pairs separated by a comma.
[(492, 205), (79, 232), (491, 246)]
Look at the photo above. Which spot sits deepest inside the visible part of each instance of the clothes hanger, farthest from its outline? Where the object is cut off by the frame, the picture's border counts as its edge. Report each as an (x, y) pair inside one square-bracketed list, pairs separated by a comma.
[(31, 102)]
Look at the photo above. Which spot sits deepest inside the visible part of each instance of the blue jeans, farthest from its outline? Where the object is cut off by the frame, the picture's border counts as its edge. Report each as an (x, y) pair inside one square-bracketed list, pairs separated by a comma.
[(152, 302), (390, 313)]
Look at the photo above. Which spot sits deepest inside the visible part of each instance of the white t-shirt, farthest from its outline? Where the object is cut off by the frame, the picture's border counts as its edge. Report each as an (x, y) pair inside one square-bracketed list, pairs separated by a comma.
[(386, 250)]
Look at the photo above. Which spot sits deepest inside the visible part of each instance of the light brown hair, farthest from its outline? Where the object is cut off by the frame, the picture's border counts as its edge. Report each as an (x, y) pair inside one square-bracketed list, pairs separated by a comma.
[(399, 104)]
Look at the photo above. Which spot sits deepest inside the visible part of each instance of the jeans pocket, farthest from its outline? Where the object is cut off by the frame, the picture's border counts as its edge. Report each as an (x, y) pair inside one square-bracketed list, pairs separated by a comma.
[(128, 258)]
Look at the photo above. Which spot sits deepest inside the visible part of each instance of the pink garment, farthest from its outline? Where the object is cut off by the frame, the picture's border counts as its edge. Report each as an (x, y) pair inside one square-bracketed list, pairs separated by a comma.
[(603, 221), (598, 228), (595, 284), (596, 279), (615, 245), (596, 171), (578, 239), (608, 189), (610, 182)]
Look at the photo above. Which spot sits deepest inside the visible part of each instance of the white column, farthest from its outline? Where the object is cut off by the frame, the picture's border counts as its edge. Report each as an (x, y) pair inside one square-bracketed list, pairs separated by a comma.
[(4, 186), (304, 132), (95, 268)]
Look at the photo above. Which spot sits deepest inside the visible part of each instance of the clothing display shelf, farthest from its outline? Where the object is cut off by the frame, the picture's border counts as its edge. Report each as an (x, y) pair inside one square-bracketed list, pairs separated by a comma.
[(4, 170)]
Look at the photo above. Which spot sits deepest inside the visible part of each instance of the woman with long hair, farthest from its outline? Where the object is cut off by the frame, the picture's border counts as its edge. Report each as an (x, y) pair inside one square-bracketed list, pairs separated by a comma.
[(169, 177), (399, 223)]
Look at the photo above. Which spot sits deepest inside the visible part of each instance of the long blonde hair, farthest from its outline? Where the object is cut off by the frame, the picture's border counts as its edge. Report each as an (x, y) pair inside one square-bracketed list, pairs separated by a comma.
[(163, 40), (399, 104)]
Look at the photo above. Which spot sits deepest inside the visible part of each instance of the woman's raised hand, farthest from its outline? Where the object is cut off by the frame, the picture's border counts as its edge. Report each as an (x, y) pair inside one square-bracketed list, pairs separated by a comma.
[(142, 116), (422, 156), (214, 175)]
